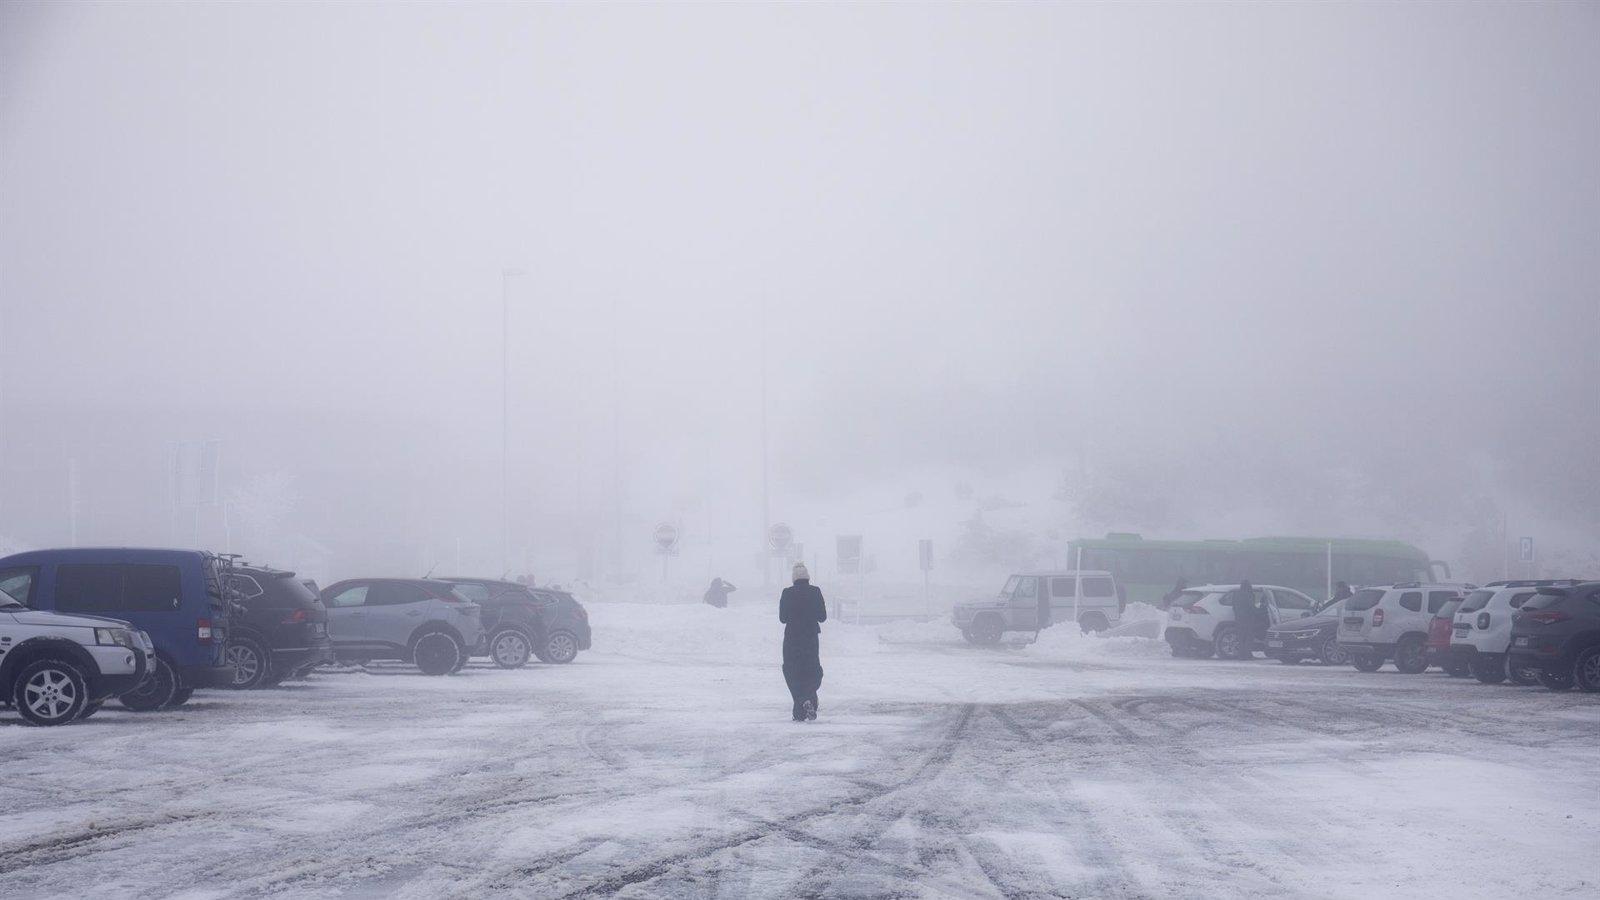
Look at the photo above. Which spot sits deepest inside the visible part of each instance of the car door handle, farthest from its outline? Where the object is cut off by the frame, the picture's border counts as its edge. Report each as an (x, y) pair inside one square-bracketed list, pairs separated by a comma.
[(414, 613)]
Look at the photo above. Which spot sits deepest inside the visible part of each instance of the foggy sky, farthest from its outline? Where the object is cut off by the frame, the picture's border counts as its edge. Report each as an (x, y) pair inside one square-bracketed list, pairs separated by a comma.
[(1326, 268)]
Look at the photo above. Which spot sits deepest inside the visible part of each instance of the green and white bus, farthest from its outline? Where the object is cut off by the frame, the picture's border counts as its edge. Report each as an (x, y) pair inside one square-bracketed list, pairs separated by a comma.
[(1149, 569)]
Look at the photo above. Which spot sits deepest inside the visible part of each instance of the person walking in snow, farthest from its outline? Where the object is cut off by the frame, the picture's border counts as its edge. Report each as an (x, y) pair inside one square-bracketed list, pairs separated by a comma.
[(802, 611), (717, 593)]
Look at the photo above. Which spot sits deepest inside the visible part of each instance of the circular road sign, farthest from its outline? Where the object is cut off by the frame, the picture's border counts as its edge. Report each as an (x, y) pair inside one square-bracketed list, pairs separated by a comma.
[(780, 537), (666, 537)]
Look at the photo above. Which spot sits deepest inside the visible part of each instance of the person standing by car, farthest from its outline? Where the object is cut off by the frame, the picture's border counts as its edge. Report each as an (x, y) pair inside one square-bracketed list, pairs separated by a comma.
[(717, 593), (802, 611), (1250, 619), (1341, 591)]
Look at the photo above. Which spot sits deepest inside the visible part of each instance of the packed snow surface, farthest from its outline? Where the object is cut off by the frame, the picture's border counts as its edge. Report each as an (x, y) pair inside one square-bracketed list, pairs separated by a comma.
[(663, 764)]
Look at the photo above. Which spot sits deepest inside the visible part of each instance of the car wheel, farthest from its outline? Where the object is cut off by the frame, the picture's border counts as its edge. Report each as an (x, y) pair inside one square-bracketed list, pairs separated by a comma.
[(562, 647), (90, 709), (1525, 676), (437, 653), (986, 630), (1458, 668), (1093, 622), (1556, 681), (1586, 671), (1367, 662), (180, 697), (1228, 643), (1332, 654), (50, 692), (1411, 657), (510, 648), (1181, 651), (155, 691), (250, 664), (1489, 670), (967, 634)]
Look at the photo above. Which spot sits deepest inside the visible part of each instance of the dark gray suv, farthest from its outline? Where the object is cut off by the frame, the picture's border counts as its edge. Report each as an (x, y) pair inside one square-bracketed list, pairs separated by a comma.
[(1557, 631), (417, 620)]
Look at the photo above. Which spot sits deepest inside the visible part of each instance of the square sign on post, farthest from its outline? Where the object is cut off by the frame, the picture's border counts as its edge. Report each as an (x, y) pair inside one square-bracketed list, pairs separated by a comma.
[(925, 554), (848, 548), (1525, 549)]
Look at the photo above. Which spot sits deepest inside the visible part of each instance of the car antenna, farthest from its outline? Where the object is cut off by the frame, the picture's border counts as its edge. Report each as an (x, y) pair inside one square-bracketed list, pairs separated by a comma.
[(430, 570)]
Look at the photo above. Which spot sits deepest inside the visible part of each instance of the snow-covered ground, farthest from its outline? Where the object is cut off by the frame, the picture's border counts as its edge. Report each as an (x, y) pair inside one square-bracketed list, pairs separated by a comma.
[(663, 764)]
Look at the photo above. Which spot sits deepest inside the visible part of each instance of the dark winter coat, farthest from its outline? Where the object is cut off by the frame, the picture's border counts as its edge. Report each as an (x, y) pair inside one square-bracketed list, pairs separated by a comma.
[(801, 609)]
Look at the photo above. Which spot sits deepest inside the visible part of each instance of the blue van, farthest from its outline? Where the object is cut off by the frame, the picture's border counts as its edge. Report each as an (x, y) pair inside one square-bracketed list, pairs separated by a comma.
[(176, 596)]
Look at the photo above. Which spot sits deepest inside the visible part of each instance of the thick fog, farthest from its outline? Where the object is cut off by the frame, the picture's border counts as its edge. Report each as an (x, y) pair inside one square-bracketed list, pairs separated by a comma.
[(1188, 271)]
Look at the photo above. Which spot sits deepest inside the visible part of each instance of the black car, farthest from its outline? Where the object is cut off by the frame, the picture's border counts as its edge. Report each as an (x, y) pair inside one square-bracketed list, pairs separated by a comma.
[(518, 620), (1313, 637), (1558, 631), (280, 627)]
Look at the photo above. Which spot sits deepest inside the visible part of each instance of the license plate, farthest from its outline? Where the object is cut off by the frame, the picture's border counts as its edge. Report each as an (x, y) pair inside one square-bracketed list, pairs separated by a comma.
[(1522, 641), (319, 629), (1274, 644)]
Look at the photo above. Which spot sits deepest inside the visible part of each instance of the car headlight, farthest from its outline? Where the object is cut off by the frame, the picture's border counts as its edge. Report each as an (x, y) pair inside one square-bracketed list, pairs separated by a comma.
[(119, 637)]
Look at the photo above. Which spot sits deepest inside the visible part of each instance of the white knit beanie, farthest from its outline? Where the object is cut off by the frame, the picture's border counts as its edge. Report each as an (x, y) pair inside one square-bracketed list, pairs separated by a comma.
[(800, 573)]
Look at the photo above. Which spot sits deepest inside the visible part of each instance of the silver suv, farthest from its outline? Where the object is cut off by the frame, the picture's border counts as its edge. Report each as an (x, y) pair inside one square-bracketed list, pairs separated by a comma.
[(1034, 600), (57, 668), (415, 620)]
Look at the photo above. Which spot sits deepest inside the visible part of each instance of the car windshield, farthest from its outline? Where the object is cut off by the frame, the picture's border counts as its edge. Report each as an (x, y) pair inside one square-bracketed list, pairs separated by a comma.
[(1475, 601), (1011, 585), (1364, 600), (7, 601)]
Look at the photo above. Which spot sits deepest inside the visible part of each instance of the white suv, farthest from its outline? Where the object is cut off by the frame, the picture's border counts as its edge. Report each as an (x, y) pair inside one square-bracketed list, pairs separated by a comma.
[(1034, 600), (1200, 621), (57, 668), (1391, 622), (1481, 632)]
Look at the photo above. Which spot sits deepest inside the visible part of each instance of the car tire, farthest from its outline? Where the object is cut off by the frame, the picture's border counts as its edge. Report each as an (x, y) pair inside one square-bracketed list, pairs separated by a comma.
[(1411, 656), (1366, 662), (561, 647), (1092, 622), (180, 697), (1458, 668), (1586, 670), (437, 653), (252, 665), (1489, 670), (1524, 676), (155, 691), (510, 648), (1556, 681), (1228, 644), (986, 632), (1181, 651), (50, 692), (966, 633), (1332, 654), (90, 709)]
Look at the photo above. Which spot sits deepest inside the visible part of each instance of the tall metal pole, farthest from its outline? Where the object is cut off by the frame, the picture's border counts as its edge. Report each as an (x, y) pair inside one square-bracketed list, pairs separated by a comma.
[(616, 439), (766, 509), (505, 420)]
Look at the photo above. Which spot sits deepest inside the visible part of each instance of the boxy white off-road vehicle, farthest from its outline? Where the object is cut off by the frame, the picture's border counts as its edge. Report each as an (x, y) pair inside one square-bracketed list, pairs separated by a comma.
[(57, 668), (1034, 600)]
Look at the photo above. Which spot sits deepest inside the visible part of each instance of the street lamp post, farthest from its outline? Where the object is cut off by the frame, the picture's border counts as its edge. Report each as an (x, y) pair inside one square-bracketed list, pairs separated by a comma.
[(505, 418)]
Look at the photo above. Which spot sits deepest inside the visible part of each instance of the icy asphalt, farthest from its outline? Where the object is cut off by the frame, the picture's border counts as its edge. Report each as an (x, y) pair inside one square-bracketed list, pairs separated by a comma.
[(663, 764)]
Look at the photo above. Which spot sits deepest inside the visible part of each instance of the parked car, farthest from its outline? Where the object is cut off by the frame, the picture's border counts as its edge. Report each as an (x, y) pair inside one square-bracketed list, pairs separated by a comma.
[(566, 626), (1200, 621), (1481, 631), (1391, 622), (417, 620), (280, 627), (1312, 637), (1034, 600), (1438, 649), (1558, 631), (516, 622), (56, 669), (176, 596)]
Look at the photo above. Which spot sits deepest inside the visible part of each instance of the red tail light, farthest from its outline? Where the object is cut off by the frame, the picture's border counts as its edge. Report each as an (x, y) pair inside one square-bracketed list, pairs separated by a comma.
[(1377, 618), (202, 629), (295, 618), (1545, 616), (1197, 609)]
